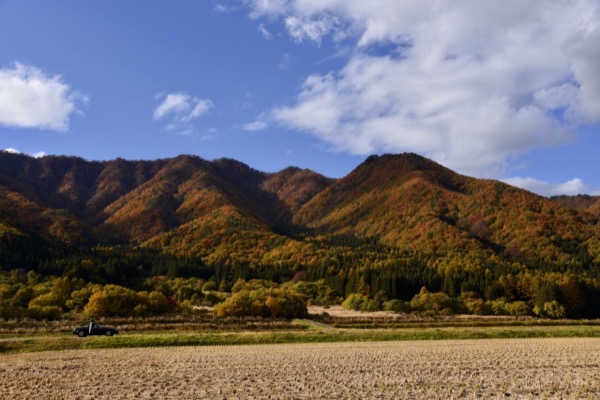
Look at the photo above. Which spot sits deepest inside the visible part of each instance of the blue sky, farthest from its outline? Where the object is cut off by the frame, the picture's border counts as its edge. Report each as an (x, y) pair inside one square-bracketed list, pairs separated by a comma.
[(506, 91)]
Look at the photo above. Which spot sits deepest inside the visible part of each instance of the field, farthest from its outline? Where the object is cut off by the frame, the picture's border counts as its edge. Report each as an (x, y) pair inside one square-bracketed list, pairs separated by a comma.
[(495, 368)]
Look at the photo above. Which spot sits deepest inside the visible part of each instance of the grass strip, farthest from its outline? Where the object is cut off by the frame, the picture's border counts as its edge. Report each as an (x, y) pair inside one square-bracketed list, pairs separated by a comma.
[(186, 338)]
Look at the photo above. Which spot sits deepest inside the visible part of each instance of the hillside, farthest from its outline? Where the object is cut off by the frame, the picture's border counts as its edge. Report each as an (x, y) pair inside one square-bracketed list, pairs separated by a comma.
[(187, 204), (587, 203), (179, 205), (411, 202), (392, 225)]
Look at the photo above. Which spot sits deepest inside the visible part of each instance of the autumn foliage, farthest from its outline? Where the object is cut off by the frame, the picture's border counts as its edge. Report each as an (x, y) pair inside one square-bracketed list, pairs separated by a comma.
[(263, 302), (119, 234)]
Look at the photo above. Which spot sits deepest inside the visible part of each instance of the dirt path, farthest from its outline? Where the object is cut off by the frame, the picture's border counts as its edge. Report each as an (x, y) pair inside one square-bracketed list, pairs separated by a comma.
[(318, 325), (23, 339)]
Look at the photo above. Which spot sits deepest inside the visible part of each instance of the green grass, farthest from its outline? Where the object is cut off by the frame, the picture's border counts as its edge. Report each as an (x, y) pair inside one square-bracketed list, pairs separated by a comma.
[(64, 341)]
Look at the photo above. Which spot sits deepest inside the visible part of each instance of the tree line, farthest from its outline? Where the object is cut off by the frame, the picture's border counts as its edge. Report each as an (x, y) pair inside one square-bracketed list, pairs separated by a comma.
[(360, 273)]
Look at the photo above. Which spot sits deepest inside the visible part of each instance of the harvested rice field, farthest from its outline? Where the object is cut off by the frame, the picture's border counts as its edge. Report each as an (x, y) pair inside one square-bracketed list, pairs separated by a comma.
[(464, 369)]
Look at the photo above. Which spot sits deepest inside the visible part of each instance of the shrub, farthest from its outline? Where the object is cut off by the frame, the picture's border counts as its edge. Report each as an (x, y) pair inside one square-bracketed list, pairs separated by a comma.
[(252, 285), (45, 312), (517, 308), (209, 286), (112, 300), (263, 303), (158, 303), (23, 296), (473, 304), (498, 306), (438, 303), (47, 299), (238, 305), (370, 305), (396, 305), (151, 304), (476, 306), (360, 302), (79, 298), (551, 309), (179, 289), (317, 292), (354, 301), (291, 304), (5, 310)]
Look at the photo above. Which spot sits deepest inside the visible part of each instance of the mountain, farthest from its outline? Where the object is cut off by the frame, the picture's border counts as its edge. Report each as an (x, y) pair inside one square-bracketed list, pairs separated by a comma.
[(223, 212), (393, 225), (410, 202), (587, 203), (184, 204)]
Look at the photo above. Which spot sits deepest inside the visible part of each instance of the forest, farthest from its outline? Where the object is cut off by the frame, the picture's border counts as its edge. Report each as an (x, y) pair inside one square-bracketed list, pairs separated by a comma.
[(399, 233), (359, 274)]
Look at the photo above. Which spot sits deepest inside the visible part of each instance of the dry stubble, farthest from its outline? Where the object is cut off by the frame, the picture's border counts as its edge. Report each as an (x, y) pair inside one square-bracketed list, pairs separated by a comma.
[(519, 368)]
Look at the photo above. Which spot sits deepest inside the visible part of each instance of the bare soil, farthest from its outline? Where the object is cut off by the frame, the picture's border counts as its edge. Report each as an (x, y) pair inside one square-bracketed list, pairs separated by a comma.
[(340, 313), (467, 369)]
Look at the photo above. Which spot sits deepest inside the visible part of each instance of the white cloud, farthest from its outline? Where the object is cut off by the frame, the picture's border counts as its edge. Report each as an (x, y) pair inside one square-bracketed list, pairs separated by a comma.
[(210, 134), (573, 187), (38, 154), (200, 108), (266, 34), (585, 52), (311, 29), (173, 103), (180, 109), (223, 8), (31, 99), (286, 61), (254, 126), (470, 83)]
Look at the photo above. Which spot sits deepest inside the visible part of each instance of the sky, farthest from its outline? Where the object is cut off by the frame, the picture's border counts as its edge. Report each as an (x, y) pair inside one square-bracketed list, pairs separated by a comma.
[(505, 90)]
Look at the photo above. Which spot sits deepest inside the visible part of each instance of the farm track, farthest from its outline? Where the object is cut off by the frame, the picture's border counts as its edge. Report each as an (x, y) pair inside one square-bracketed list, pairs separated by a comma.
[(26, 338), (467, 369), (317, 325)]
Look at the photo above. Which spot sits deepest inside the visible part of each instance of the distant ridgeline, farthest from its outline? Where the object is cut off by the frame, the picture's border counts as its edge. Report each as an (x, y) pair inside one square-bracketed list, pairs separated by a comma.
[(393, 226)]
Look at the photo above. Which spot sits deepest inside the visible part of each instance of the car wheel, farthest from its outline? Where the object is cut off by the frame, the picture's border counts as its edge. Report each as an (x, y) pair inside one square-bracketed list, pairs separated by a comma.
[(81, 333), (108, 333)]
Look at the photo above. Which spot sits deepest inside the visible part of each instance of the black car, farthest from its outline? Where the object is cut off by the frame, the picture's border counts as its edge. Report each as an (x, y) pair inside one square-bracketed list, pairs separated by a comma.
[(96, 329)]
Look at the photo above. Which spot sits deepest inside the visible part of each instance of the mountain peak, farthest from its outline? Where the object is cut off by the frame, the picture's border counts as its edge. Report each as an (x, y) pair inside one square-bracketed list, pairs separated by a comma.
[(404, 162), (389, 170)]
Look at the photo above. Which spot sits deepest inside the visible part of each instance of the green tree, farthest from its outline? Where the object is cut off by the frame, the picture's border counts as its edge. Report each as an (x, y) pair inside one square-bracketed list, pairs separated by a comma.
[(396, 305), (518, 308), (158, 303), (473, 304), (79, 298), (45, 312), (437, 303), (354, 301), (551, 309)]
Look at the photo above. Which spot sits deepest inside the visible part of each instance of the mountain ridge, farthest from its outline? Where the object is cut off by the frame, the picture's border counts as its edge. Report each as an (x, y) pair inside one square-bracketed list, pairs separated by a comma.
[(190, 205)]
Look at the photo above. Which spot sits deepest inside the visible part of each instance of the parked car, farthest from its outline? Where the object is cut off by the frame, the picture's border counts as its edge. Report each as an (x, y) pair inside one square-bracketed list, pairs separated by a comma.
[(95, 329)]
